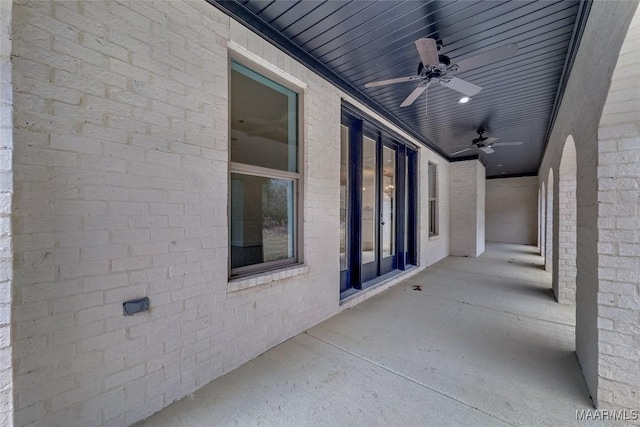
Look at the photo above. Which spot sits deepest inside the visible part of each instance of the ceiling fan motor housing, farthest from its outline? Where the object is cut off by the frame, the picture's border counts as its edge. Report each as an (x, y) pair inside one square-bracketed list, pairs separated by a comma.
[(435, 72), (480, 138), (444, 60), (478, 141)]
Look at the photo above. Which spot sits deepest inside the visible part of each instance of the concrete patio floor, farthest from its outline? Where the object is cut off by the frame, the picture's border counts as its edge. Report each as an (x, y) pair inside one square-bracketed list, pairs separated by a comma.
[(483, 343)]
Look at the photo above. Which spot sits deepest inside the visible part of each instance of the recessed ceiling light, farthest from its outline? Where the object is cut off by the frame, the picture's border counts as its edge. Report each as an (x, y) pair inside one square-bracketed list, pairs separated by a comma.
[(503, 172), (464, 100), (499, 166)]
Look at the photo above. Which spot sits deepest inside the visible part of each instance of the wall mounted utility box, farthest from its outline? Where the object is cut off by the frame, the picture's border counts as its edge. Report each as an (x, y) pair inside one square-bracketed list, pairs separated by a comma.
[(131, 307)]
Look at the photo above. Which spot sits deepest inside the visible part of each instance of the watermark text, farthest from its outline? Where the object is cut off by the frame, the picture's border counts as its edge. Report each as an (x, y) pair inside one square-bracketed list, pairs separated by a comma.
[(607, 414)]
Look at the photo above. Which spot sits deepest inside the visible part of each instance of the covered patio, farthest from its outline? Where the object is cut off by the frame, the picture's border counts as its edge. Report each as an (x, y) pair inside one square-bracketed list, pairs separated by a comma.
[(465, 342)]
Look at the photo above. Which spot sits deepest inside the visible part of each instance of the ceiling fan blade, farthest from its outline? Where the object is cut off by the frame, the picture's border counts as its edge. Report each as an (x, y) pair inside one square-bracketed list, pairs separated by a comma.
[(490, 141), (489, 57), (461, 86), (428, 51), (392, 81), (462, 151), (507, 143), (414, 95), (488, 150)]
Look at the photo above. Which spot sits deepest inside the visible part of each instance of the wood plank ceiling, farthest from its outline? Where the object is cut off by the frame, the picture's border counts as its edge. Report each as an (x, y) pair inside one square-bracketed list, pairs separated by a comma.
[(357, 42)]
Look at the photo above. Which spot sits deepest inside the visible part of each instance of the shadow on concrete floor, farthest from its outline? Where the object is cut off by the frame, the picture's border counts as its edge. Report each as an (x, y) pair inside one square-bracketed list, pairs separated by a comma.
[(538, 292)]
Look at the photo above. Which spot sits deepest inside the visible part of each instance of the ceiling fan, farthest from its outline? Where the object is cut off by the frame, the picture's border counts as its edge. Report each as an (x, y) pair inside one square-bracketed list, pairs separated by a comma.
[(486, 144), (436, 67)]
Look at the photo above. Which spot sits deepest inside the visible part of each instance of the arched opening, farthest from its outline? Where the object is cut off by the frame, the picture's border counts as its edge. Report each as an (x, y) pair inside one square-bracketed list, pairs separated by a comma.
[(548, 246), (564, 281), (611, 335)]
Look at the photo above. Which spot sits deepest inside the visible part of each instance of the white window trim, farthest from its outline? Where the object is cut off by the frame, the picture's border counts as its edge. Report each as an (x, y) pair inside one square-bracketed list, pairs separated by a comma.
[(249, 59), (266, 278)]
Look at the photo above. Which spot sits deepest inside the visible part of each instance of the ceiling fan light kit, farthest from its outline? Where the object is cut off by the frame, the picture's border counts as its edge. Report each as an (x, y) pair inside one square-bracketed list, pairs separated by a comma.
[(434, 66)]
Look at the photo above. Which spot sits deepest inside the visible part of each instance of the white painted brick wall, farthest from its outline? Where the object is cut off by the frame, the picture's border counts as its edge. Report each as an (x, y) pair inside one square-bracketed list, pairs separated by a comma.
[(566, 283), (511, 210), (6, 191), (434, 248), (480, 209), (539, 217), (579, 116), (467, 218), (121, 185), (619, 231), (549, 219), (543, 219), (564, 276)]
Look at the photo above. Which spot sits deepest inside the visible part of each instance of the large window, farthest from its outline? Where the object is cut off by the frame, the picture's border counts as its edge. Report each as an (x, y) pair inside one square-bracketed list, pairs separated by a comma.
[(265, 175), (433, 200)]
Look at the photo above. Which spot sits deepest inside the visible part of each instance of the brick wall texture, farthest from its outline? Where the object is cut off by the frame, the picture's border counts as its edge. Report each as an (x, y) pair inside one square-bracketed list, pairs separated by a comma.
[(6, 192), (619, 231), (603, 123), (481, 196), (437, 246), (543, 219), (120, 179), (548, 228), (564, 276), (511, 210), (467, 199)]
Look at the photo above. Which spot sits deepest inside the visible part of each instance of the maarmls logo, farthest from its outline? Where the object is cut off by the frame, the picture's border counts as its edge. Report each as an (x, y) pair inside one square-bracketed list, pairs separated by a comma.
[(607, 414)]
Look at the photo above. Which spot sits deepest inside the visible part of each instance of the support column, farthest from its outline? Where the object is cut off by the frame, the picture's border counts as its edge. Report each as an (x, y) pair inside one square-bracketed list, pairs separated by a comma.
[(6, 191), (467, 225), (564, 276), (548, 251), (619, 233)]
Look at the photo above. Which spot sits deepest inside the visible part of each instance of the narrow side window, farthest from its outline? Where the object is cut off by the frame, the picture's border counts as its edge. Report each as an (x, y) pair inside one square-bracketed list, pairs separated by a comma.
[(433, 199)]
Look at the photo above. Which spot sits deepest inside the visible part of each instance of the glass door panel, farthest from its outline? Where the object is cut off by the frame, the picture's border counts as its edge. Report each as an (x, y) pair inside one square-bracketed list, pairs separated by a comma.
[(369, 211), (388, 222), (411, 185), (344, 196)]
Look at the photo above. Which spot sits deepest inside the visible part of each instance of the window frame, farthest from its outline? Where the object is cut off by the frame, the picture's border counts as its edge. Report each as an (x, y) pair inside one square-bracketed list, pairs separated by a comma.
[(434, 217), (260, 67)]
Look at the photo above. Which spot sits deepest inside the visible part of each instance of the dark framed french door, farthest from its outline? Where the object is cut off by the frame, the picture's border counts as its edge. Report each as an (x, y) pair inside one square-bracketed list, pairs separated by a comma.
[(379, 205), (377, 171)]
